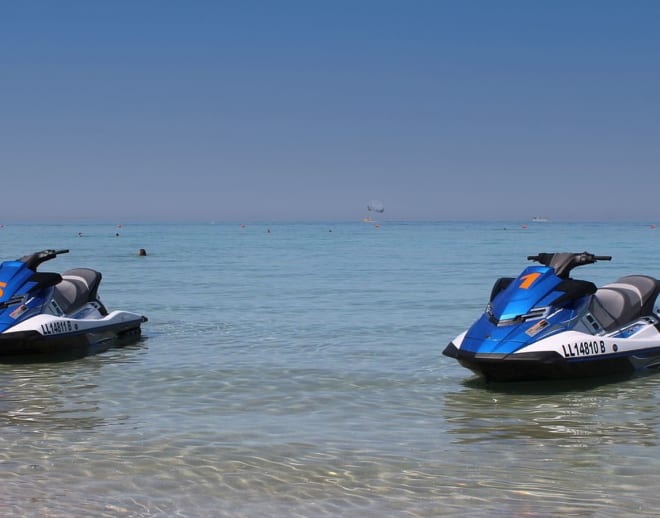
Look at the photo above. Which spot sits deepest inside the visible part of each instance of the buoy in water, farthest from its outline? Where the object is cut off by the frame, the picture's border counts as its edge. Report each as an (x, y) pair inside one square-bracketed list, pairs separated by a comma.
[(142, 252)]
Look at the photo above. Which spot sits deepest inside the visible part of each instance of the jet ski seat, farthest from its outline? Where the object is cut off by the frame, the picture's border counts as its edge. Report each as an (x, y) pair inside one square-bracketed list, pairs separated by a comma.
[(625, 300), (78, 286)]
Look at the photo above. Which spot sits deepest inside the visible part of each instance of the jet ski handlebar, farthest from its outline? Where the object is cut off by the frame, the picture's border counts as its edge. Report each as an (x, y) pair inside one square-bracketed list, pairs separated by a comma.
[(564, 262), (32, 261)]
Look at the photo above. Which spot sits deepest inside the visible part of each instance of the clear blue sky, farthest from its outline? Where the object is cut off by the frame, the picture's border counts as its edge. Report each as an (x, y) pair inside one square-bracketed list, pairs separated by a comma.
[(128, 111)]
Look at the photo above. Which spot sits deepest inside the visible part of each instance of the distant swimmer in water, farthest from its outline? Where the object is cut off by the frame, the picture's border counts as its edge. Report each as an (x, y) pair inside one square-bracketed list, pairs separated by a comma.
[(142, 252)]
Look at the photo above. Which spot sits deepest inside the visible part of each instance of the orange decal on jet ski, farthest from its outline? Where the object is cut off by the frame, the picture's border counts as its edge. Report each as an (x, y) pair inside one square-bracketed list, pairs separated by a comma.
[(2, 285), (528, 280)]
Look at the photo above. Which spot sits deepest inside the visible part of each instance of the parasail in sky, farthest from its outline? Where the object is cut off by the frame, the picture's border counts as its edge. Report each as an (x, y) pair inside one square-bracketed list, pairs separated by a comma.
[(375, 206)]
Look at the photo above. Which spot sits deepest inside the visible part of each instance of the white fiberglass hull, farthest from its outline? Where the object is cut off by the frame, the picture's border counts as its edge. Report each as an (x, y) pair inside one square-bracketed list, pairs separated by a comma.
[(569, 354), (49, 334)]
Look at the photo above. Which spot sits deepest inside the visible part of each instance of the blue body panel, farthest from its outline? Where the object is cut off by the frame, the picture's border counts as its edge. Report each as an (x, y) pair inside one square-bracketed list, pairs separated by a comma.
[(503, 329), (14, 281), (13, 275), (518, 298)]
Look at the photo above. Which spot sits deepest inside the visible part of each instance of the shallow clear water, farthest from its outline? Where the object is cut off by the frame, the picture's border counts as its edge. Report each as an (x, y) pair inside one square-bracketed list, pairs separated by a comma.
[(298, 372)]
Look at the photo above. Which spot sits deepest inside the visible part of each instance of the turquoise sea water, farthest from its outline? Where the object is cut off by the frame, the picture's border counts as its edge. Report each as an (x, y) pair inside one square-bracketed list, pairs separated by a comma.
[(298, 372)]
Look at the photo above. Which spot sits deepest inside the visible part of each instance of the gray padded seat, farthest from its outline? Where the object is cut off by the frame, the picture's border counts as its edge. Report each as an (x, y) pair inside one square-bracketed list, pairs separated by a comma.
[(625, 300), (78, 286)]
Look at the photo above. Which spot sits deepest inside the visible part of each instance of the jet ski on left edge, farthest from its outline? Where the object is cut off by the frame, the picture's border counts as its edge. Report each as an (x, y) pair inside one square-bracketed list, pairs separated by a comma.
[(57, 314), (544, 324)]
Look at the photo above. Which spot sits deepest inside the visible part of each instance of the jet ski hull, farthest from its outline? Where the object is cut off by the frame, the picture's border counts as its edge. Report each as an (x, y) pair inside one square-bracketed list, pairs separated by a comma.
[(69, 337), (539, 366)]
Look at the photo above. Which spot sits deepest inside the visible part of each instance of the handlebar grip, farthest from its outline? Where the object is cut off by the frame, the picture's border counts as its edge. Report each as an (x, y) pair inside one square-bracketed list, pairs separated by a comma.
[(603, 257)]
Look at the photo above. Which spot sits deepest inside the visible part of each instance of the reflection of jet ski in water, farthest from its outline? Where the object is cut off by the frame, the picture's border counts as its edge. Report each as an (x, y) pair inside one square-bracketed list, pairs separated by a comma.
[(50, 313), (544, 324)]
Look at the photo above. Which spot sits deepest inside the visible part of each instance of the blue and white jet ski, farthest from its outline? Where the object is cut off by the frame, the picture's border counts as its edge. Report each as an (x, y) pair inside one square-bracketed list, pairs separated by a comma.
[(58, 314), (545, 325)]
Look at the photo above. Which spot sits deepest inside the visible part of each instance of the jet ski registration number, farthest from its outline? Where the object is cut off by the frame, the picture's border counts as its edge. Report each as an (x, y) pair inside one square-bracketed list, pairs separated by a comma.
[(583, 348), (57, 327)]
